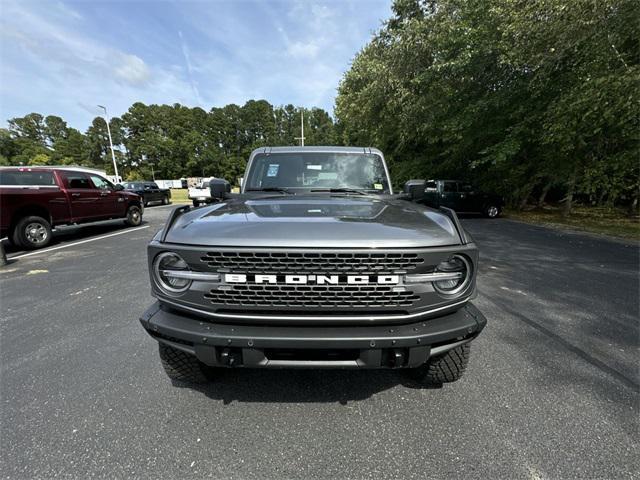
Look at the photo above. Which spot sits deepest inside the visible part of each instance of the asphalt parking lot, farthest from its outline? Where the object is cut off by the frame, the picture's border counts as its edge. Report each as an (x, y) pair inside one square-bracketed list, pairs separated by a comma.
[(551, 392)]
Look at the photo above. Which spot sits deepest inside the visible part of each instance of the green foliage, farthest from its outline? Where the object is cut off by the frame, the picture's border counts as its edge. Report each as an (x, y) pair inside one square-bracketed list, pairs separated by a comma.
[(168, 141), (40, 159), (134, 175), (514, 95)]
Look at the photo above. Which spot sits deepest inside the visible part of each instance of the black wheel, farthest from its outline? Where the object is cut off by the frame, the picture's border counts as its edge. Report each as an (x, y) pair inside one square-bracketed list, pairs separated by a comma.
[(445, 368), (492, 211), (134, 216), (13, 238), (196, 203), (181, 366), (165, 200), (32, 232)]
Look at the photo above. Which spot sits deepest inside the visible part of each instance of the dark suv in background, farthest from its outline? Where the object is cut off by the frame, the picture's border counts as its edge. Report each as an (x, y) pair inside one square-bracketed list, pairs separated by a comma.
[(149, 191), (462, 197)]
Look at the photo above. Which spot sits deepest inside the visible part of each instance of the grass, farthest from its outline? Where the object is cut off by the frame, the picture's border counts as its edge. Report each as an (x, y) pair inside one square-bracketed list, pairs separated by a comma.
[(601, 220), (180, 195)]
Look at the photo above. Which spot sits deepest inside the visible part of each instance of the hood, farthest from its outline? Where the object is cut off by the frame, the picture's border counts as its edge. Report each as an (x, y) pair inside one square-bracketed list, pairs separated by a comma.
[(308, 221)]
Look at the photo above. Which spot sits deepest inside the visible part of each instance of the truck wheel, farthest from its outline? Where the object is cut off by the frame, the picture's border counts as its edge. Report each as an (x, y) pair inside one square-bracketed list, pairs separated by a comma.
[(492, 211), (134, 216), (196, 203), (165, 200), (448, 367), (181, 366), (32, 232)]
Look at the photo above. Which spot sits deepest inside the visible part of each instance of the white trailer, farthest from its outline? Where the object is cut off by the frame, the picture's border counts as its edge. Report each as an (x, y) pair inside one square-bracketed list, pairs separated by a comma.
[(169, 183)]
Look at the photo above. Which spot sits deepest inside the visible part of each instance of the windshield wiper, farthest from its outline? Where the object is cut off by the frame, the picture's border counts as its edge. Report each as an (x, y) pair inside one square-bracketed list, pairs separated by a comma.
[(339, 190), (271, 189)]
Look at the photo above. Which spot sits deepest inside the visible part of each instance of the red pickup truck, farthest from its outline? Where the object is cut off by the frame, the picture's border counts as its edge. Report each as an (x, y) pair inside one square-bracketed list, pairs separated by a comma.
[(33, 200)]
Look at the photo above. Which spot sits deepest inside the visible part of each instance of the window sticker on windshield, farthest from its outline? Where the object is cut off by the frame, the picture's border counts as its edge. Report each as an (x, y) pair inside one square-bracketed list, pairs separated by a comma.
[(272, 171), (378, 186), (328, 176), (314, 167)]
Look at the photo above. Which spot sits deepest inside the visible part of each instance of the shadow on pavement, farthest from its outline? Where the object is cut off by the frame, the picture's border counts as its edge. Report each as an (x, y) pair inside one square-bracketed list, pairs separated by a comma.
[(299, 386)]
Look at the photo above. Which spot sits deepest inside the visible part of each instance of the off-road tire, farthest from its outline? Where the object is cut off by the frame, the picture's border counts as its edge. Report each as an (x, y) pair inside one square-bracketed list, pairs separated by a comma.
[(21, 238), (181, 366), (492, 211), (445, 368), (134, 216)]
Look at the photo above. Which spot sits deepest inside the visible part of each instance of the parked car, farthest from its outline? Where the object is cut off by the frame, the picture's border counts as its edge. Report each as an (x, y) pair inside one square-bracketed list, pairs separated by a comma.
[(149, 191), (316, 264), (200, 194), (462, 197), (33, 200)]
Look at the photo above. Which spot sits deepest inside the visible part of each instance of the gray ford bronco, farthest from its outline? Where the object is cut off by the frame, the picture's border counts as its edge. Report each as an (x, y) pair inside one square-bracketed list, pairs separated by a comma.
[(315, 264)]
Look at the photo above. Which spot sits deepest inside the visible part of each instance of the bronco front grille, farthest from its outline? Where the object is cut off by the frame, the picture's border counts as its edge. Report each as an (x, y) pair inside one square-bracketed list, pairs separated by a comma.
[(312, 296), (310, 263)]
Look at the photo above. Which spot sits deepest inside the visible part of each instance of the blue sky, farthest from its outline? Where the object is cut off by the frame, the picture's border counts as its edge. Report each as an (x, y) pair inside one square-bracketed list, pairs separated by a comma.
[(63, 58)]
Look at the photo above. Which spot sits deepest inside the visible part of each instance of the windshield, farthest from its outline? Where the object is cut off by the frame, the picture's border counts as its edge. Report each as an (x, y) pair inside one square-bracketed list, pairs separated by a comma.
[(318, 171)]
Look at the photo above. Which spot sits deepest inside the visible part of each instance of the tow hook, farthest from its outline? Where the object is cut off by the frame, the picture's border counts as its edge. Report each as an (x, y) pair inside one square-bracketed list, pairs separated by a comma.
[(227, 357), (398, 358)]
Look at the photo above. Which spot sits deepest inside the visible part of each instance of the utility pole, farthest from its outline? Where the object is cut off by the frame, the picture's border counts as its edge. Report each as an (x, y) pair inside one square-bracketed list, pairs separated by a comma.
[(113, 155), (301, 138)]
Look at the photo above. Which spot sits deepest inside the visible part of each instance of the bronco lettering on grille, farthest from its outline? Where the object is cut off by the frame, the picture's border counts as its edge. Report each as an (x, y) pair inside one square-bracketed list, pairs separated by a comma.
[(313, 279)]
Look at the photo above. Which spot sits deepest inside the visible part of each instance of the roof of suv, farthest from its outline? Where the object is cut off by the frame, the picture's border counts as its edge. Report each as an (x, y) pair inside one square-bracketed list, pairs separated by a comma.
[(317, 149)]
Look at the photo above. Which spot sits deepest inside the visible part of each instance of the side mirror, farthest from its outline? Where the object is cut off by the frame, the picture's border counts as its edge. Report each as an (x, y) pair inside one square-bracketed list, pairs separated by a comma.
[(219, 188), (414, 189), (117, 187)]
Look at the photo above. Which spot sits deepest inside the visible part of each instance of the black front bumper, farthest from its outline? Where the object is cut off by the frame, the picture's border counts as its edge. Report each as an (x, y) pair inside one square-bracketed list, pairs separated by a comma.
[(369, 346)]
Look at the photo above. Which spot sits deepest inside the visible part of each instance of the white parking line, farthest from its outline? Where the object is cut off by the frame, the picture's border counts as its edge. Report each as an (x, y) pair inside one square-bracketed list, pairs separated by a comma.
[(79, 243), (154, 207), (174, 204)]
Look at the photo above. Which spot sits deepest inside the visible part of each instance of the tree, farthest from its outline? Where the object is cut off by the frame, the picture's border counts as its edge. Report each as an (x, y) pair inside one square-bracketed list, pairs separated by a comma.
[(168, 141), (31, 127), (516, 96), (39, 159)]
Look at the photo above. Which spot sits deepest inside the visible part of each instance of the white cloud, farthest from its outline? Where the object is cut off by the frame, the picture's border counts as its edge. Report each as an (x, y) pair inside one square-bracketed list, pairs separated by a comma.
[(131, 69), (53, 44), (307, 50), (66, 11), (190, 69), (50, 65), (63, 61)]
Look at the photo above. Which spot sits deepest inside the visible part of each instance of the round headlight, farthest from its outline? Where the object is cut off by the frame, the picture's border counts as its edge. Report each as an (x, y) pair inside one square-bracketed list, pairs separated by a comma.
[(167, 269), (456, 264)]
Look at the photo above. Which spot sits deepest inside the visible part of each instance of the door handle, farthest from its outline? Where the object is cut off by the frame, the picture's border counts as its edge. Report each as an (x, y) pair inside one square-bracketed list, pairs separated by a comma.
[(104, 194), (75, 194)]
